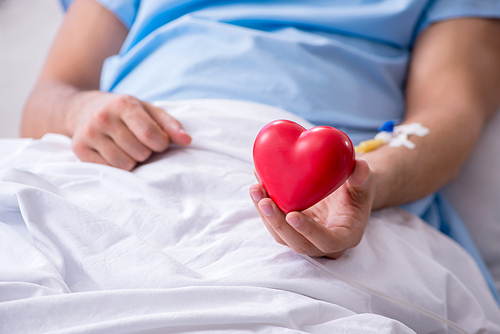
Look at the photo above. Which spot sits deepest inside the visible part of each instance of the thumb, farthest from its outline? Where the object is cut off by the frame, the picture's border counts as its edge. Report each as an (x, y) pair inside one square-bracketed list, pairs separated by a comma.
[(360, 184)]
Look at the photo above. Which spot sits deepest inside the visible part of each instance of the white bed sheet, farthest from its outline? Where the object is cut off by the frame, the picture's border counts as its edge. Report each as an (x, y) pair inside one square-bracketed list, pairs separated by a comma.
[(176, 246)]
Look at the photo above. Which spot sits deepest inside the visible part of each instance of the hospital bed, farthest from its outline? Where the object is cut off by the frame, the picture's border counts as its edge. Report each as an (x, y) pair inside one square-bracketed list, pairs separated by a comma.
[(176, 246)]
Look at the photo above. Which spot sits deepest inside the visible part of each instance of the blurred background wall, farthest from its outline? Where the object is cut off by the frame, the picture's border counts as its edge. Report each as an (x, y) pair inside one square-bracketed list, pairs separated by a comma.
[(27, 28)]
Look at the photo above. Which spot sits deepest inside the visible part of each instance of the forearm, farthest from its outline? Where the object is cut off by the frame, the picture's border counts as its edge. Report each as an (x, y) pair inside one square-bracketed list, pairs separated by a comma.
[(403, 175), (89, 34), (452, 89)]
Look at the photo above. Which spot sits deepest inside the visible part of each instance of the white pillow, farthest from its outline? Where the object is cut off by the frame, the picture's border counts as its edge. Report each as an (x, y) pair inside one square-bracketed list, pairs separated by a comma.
[(476, 195)]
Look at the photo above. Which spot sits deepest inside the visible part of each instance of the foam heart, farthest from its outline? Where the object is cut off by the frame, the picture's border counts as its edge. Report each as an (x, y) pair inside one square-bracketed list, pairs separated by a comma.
[(300, 167)]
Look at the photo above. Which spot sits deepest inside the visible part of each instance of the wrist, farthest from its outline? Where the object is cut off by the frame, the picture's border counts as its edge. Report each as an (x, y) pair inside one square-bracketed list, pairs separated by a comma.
[(385, 187), (76, 101)]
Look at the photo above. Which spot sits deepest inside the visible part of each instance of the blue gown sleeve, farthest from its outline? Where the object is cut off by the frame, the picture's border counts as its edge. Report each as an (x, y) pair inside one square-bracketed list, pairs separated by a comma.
[(439, 10), (124, 10)]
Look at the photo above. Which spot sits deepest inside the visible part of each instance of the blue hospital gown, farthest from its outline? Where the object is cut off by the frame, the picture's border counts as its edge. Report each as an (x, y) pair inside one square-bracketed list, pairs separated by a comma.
[(341, 63)]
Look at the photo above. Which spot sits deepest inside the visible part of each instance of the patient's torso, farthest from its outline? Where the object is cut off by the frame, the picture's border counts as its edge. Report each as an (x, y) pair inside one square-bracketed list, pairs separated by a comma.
[(339, 63)]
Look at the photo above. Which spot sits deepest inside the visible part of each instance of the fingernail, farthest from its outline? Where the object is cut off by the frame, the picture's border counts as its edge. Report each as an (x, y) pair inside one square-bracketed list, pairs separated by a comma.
[(266, 208), (256, 194), (293, 220)]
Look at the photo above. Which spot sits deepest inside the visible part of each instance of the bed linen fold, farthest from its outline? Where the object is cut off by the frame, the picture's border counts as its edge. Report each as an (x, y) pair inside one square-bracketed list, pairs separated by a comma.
[(176, 246)]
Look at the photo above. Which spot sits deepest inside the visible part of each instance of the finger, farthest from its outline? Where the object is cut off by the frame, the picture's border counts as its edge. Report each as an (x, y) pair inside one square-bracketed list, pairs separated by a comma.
[(112, 154), (276, 220), (144, 127), (86, 154), (129, 143), (257, 176), (257, 192), (332, 242), (169, 124)]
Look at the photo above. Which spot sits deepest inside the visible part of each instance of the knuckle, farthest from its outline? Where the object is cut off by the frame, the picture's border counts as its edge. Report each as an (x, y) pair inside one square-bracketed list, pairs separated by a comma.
[(102, 118), (144, 155), (128, 165), (149, 132), (82, 151), (122, 162), (154, 139), (79, 148), (123, 101), (85, 133)]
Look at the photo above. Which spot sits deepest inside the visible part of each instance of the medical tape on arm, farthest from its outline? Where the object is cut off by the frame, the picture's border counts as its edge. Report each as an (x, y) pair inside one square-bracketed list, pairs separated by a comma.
[(393, 136)]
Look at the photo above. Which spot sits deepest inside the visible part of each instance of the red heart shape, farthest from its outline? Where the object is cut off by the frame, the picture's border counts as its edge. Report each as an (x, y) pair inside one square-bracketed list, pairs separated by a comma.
[(299, 167)]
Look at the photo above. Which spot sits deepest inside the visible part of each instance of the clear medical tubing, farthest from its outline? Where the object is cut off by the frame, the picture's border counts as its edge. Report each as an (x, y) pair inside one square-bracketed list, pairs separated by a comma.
[(379, 294)]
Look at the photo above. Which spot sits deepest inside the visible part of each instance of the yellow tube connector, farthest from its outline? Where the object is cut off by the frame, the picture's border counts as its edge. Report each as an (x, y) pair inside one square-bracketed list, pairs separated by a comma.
[(368, 145)]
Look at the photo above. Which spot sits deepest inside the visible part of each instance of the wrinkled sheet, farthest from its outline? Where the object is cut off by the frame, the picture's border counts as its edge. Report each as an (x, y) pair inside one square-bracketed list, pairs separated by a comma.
[(176, 246)]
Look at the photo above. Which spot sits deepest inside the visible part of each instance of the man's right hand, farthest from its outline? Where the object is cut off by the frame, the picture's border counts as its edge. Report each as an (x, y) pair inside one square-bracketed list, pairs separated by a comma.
[(120, 130), (117, 130)]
